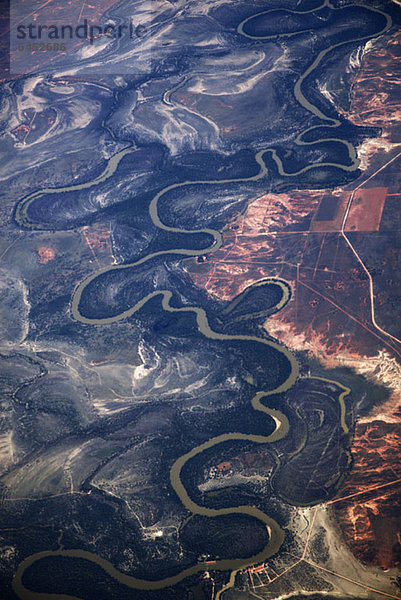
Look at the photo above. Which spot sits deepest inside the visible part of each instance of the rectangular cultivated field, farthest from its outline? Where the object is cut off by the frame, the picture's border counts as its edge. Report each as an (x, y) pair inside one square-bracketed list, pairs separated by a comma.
[(330, 214), (366, 209)]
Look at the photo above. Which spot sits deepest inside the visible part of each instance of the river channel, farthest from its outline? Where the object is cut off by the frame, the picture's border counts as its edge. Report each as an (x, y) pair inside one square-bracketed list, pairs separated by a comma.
[(260, 400)]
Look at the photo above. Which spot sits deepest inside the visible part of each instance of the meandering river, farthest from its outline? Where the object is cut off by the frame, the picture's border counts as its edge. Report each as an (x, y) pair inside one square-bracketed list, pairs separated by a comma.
[(260, 399)]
